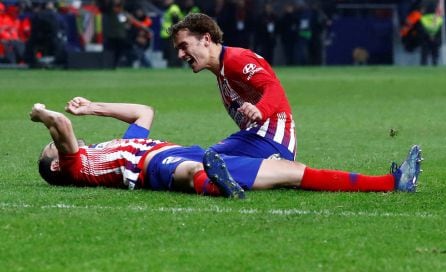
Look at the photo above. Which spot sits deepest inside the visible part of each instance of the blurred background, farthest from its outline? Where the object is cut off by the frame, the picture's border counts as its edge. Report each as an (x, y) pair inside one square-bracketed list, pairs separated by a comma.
[(106, 34)]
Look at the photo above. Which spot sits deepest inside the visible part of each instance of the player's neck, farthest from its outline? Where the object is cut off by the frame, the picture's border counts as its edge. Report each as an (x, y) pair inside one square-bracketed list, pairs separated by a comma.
[(214, 58)]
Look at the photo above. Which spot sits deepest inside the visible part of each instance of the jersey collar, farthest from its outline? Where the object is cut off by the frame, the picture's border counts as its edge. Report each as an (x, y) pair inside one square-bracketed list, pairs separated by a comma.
[(222, 55)]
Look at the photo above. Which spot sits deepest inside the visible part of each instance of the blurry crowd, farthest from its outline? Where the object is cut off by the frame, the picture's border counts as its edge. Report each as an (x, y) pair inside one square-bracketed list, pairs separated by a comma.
[(36, 32), (421, 30), (297, 26), (14, 33), (33, 31), (43, 33)]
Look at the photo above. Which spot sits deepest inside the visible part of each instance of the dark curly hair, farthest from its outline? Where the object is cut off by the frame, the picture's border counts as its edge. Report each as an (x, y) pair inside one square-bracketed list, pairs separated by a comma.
[(198, 23)]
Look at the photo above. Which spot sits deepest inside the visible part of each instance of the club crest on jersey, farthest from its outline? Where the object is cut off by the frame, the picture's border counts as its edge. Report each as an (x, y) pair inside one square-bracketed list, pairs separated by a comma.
[(250, 69)]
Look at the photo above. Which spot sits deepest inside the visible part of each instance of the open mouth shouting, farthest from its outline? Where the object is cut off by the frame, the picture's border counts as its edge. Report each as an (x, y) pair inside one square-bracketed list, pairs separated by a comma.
[(189, 60)]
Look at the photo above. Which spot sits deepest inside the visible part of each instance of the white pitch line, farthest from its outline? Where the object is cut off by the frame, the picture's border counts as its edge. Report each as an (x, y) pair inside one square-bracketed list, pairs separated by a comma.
[(220, 210)]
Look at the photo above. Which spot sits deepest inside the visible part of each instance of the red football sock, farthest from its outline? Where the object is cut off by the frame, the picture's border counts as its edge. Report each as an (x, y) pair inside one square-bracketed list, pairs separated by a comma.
[(333, 180), (204, 186)]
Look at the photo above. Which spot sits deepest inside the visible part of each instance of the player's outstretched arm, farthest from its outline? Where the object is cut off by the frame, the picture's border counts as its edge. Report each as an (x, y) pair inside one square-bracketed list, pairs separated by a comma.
[(59, 126), (141, 115)]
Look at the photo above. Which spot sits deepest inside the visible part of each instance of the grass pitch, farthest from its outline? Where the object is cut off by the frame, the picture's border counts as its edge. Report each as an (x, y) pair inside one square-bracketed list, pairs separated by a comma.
[(344, 117)]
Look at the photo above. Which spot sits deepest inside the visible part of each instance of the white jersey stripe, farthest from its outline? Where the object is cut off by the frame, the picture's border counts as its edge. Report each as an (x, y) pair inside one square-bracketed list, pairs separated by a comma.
[(280, 129), (292, 143), (263, 129), (108, 157), (97, 172), (131, 157), (129, 175)]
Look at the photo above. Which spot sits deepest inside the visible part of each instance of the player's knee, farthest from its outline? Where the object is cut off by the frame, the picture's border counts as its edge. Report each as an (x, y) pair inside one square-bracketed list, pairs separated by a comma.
[(195, 168)]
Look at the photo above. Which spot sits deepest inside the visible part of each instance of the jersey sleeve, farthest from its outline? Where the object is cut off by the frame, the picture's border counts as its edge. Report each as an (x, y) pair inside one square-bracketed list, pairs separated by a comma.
[(255, 73)]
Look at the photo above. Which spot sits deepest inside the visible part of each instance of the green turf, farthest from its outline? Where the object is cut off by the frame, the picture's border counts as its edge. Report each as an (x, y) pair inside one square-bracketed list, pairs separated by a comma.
[(343, 117)]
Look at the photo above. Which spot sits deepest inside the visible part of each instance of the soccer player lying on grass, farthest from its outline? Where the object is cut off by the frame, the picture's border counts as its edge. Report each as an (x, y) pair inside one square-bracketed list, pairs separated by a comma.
[(136, 162)]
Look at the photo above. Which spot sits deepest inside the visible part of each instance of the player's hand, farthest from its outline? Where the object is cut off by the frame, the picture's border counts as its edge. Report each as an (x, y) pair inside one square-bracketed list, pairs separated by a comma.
[(78, 106), (36, 110), (250, 111)]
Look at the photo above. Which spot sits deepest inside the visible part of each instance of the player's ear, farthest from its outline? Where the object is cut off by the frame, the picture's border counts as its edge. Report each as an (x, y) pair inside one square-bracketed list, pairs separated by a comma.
[(207, 39), (55, 165)]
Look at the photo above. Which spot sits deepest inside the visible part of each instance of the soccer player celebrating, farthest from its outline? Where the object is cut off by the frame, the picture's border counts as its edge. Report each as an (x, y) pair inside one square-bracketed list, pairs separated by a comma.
[(252, 94), (136, 162)]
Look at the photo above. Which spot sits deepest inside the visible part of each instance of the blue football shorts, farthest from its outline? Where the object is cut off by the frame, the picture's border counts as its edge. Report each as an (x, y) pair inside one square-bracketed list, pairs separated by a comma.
[(159, 174), (248, 144)]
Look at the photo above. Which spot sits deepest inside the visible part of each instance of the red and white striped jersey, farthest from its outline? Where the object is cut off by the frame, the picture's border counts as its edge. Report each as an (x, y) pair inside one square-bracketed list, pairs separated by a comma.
[(247, 77), (114, 163)]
